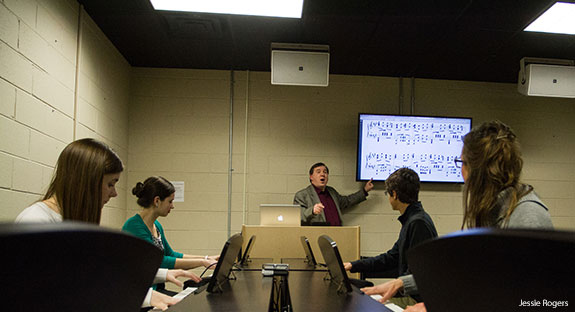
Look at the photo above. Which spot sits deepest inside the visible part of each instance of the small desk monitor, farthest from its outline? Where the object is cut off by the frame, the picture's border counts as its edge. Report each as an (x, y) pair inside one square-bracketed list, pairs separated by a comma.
[(244, 259), (280, 214), (310, 259), (225, 263), (334, 263)]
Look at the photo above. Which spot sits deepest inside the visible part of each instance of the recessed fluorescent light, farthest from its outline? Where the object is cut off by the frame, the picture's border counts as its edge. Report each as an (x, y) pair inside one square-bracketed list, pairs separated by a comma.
[(274, 8), (558, 19)]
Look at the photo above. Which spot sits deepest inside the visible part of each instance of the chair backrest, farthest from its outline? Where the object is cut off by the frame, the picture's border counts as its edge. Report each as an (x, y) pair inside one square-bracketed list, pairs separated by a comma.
[(74, 267), (495, 270)]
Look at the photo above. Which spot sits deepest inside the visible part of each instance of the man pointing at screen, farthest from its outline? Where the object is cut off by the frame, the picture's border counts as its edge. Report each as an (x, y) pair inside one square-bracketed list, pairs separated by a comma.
[(322, 204)]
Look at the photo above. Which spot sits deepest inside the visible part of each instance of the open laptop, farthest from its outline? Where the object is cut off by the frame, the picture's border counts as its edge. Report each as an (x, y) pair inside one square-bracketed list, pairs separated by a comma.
[(280, 214)]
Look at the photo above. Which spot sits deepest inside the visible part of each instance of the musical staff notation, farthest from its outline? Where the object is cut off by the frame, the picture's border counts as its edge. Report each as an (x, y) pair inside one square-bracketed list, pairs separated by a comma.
[(429, 148)]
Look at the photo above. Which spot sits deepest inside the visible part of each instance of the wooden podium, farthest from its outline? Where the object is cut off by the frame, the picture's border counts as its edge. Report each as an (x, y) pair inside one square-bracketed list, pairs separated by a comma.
[(279, 242)]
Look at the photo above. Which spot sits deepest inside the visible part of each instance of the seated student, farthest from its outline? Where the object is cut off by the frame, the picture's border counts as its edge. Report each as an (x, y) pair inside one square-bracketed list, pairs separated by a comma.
[(491, 166), (321, 203), (156, 196), (85, 179), (402, 187), (86, 174)]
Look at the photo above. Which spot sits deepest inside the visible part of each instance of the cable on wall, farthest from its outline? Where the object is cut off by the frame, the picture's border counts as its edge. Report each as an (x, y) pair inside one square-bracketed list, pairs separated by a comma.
[(244, 203), (230, 152), (77, 70)]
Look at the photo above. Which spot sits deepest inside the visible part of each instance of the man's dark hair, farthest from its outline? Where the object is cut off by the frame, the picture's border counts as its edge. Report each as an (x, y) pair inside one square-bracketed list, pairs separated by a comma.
[(319, 164), (405, 183)]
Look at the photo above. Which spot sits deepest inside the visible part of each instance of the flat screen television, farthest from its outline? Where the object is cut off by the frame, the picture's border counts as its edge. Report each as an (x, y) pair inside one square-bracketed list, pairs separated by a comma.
[(426, 144)]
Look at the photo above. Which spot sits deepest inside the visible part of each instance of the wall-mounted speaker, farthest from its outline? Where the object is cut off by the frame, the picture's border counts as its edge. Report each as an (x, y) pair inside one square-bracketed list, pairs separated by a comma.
[(300, 65), (550, 80)]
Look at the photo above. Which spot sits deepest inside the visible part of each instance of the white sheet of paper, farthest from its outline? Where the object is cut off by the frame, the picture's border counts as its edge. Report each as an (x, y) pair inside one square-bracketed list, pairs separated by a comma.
[(179, 196)]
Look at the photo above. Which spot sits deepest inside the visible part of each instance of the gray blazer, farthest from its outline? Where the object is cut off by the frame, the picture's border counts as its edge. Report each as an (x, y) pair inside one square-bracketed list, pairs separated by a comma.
[(307, 198)]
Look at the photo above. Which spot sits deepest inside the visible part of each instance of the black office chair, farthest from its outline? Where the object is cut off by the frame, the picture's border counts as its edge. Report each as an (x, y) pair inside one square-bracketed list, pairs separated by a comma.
[(494, 269), (74, 267)]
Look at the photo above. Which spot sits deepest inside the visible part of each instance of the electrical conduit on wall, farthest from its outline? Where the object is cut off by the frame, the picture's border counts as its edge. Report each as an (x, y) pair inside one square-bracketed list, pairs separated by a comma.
[(244, 203), (230, 152), (77, 71)]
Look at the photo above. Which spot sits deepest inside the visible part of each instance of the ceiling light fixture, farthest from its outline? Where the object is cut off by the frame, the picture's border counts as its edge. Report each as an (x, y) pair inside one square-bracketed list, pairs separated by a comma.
[(276, 8), (558, 19)]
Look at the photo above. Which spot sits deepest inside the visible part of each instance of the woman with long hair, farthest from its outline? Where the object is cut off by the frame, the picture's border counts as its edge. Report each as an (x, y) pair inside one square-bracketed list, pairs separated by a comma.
[(493, 195), (85, 179)]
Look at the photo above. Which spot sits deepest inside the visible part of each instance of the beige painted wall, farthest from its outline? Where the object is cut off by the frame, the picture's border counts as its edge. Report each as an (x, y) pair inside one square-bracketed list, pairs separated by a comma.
[(179, 128), (51, 94)]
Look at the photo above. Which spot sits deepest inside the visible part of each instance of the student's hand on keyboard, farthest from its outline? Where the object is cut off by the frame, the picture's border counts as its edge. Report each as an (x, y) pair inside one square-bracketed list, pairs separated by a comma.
[(173, 275), (161, 302), (386, 290)]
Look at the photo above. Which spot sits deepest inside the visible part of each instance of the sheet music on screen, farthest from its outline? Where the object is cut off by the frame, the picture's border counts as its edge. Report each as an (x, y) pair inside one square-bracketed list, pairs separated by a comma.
[(426, 144)]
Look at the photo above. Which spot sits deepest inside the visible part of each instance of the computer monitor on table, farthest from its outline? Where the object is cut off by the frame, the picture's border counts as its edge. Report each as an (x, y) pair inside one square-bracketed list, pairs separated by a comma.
[(309, 257), (225, 263), (334, 263), (245, 257)]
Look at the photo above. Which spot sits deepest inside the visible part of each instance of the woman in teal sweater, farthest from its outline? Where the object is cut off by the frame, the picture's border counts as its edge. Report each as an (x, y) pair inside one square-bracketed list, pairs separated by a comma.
[(156, 196)]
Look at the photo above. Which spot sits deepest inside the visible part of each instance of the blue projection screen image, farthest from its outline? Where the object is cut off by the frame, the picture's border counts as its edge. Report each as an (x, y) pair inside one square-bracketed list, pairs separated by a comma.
[(428, 145)]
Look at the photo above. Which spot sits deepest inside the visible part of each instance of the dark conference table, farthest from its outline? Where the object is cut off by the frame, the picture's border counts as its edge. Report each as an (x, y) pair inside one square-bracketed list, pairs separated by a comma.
[(251, 292)]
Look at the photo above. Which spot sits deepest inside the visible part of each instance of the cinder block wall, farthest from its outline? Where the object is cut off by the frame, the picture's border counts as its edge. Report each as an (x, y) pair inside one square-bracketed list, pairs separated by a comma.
[(55, 88), (179, 128)]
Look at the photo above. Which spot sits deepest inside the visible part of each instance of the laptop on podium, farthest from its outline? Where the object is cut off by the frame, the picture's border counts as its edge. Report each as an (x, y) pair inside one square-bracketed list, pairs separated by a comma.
[(280, 214)]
